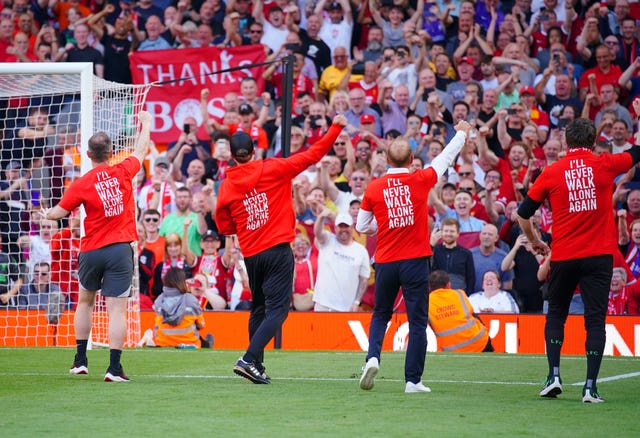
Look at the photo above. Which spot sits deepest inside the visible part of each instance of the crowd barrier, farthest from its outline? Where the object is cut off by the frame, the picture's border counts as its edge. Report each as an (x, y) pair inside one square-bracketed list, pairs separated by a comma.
[(340, 331)]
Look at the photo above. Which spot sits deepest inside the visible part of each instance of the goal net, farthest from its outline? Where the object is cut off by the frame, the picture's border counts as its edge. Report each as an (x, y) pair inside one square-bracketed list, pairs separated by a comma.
[(47, 114)]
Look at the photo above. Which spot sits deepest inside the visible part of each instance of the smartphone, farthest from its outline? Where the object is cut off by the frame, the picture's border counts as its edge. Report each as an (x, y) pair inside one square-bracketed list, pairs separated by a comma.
[(436, 131), (556, 57), (562, 123), (512, 111), (544, 18), (186, 128)]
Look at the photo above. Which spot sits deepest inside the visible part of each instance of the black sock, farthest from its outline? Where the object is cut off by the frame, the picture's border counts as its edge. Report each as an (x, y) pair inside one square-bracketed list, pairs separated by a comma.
[(554, 338), (114, 364), (81, 350)]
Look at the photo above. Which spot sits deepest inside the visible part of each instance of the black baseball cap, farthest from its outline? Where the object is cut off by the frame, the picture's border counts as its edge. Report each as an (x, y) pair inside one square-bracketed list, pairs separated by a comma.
[(210, 234), (241, 144), (245, 108)]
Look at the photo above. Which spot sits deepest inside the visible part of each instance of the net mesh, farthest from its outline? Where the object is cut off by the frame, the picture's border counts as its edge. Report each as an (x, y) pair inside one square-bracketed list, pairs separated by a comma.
[(43, 132)]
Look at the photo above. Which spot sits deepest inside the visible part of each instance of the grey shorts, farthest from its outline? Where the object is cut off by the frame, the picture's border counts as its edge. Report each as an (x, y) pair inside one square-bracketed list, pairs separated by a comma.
[(109, 268)]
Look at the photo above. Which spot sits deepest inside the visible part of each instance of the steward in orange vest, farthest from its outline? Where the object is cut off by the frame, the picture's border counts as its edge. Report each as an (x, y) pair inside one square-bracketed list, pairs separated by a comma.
[(452, 319)]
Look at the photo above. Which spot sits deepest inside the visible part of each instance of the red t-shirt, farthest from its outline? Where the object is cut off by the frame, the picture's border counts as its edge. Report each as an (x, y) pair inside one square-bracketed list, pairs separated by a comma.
[(254, 200), (579, 189), (399, 203), (601, 78), (107, 195), (507, 192), (370, 90)]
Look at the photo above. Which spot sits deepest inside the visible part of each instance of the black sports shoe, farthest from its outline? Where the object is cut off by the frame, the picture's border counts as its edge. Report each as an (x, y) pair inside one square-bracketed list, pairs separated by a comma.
[(552, 387), (207, 342), (115, 376), (249, 372), (79, 366), (262, 370), (590, 395)]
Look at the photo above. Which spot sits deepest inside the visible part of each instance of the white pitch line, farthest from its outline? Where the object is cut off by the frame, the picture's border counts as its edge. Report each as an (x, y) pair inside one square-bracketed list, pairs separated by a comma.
[(610, 379), (326, 379), (307, 379)]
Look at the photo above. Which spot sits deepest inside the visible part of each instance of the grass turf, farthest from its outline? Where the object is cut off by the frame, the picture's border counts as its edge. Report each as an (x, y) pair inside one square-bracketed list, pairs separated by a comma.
[(186, 392)]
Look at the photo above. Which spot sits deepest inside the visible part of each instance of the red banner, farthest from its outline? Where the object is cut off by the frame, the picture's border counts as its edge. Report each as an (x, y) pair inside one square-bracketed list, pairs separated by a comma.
[(191, 71)]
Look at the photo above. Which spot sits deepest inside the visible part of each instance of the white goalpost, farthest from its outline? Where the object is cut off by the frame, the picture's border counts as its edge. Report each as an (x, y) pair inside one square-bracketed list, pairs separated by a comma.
[(48, 111)]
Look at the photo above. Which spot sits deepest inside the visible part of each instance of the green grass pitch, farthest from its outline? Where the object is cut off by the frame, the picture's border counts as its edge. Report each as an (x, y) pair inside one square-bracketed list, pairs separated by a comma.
[(194, 393)]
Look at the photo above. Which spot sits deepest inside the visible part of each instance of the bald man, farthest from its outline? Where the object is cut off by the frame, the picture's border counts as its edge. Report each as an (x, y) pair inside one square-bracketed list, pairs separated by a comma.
[(395, 206)]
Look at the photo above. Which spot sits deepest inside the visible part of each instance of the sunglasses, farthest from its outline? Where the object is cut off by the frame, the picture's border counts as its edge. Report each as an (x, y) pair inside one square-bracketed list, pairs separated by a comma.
[(40, 273), (364, 148), (152, 219), (340, 143), (358, 178), (464, 173), (255, 31)]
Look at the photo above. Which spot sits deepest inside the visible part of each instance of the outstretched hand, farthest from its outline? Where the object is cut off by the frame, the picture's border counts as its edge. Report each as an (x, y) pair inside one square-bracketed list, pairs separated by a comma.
[(144, 117), (340, 120), (539, 247), (463, 126)]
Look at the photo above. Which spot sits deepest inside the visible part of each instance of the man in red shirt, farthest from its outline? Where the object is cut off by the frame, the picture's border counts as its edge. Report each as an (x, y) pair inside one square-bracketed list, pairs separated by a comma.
[(395, 206), (579, 190), (605, 72), (254, 202), (106, 256)]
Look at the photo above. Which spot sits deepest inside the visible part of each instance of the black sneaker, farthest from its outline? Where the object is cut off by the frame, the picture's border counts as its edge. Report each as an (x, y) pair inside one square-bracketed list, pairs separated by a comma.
[(552, 387), (207, 342), (115, 376), (262, 370), (249, 372), (79, 366), (590, 395)]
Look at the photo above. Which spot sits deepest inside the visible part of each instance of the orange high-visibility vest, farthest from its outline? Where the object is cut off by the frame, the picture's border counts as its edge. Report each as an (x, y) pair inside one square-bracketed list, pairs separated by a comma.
[(166, 335), (451, 318)]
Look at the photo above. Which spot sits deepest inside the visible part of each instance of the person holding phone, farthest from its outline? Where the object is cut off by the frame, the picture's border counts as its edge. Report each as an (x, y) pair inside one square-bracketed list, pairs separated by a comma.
[(188, 146)]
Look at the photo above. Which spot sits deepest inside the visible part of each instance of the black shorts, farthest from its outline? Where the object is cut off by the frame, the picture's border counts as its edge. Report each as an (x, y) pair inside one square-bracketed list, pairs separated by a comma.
[(109, 268)]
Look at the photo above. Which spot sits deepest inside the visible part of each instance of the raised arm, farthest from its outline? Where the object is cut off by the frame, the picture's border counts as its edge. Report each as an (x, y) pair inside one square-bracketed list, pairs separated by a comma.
[(483, 148), (442, 162), (325, 182), (144, 137), (94, 20), (623, 231), (375, 13), (189, 256), (258, 13), (625, 78), (503, 135), (508, 262), (318, 226)]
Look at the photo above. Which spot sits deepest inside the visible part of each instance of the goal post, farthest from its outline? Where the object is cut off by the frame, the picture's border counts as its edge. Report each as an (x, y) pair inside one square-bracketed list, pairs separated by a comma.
[(48, 111)]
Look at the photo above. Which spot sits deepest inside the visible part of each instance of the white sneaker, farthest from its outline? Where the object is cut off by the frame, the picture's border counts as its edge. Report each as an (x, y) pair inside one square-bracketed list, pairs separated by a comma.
[(369, 373), (416, 387), (146, 340)]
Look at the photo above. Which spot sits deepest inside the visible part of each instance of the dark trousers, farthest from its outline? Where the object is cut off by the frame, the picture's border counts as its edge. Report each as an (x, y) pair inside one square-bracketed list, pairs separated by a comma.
[(593, 274), (271, 281), (413, 276)]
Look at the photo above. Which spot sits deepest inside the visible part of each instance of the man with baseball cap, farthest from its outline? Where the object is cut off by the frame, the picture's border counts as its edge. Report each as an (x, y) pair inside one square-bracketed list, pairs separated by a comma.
[(256, 133), (343, 266), (254, 202)]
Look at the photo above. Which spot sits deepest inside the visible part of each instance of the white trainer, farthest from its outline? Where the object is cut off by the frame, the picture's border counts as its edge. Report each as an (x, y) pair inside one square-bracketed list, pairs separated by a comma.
[(416, 387), (369, 373)]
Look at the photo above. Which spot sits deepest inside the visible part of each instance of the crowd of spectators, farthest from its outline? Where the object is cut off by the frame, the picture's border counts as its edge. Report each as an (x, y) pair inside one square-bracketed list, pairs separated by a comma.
[(518, 71)]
